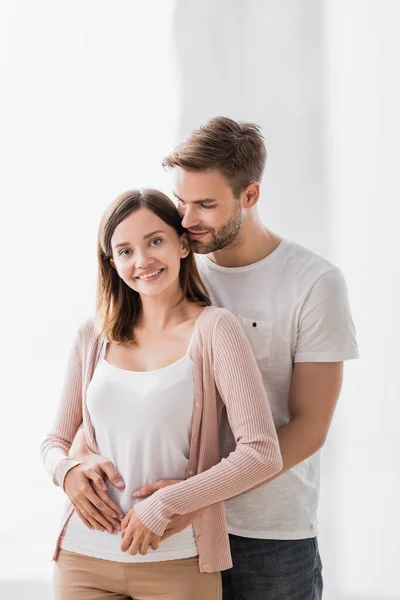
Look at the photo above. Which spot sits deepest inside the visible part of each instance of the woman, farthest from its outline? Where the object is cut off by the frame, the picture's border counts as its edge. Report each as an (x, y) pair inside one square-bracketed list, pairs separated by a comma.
[(149, 378)]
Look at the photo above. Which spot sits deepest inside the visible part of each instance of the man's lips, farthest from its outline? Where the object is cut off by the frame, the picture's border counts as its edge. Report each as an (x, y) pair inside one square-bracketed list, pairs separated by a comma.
[(197, 234)]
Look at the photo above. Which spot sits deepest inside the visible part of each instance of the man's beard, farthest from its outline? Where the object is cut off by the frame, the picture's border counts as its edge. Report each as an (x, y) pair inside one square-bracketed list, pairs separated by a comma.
[(221, 238)]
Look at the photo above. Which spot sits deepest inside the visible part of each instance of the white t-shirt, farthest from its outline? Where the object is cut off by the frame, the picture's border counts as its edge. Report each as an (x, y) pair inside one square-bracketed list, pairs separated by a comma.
[(143, 423), (293, 307)]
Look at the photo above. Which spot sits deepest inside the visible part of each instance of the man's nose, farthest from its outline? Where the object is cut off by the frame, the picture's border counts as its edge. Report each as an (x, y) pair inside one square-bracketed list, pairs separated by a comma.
[(188, 219)]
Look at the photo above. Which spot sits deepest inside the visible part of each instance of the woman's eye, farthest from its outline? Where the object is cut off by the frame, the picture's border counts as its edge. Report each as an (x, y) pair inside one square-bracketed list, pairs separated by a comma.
[(125, 252), (156, 242)]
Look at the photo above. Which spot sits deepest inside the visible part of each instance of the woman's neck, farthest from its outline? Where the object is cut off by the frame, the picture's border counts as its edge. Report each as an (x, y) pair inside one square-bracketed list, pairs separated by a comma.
[(161, 313)]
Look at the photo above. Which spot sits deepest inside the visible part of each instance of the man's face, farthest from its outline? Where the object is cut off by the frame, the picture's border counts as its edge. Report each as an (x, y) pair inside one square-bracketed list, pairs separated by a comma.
[(209, 210)]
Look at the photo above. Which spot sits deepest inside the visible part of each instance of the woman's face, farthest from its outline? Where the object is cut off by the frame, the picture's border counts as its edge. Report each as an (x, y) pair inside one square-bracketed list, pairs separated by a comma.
[(147, 253)]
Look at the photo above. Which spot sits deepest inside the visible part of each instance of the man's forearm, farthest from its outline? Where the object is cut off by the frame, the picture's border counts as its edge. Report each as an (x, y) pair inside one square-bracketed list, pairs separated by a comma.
[(297, 441), (79, 448)]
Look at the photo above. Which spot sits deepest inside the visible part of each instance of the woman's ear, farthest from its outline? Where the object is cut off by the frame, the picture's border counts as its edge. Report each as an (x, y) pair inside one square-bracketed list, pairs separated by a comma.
[(185, 245), (113, 263)]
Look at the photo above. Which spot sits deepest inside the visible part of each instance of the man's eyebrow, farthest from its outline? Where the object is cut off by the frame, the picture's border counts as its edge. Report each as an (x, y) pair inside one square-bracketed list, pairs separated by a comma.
[(145, 237), (202, 201)]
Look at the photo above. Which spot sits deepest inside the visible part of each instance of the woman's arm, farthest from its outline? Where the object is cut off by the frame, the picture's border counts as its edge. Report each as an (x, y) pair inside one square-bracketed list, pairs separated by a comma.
[(256, 457), (95, 510), (55, 446)]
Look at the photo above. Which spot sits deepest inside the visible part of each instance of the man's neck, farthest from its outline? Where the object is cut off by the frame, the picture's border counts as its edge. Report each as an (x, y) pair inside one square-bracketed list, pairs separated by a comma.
[(254, 243)]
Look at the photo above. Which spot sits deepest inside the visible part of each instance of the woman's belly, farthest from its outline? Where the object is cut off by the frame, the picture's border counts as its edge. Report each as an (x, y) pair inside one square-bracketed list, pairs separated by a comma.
[(142, 423)]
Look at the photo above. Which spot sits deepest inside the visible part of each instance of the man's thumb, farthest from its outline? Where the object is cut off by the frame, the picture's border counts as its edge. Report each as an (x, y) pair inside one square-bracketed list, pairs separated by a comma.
[(113, 476), (146, 490)]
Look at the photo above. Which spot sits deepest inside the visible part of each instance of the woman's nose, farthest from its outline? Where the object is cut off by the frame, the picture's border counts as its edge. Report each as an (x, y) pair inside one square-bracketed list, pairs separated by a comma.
[(143, 259)]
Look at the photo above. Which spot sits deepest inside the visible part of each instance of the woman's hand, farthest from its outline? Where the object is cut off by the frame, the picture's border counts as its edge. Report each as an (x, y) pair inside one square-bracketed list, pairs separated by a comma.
[(136, 537), (90, 500)]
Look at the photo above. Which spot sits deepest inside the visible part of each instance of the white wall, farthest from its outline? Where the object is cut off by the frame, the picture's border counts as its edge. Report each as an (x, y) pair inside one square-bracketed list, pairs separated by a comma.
[(92, 99), (322, 80), (363, 93), (261, 61), (88, 107)]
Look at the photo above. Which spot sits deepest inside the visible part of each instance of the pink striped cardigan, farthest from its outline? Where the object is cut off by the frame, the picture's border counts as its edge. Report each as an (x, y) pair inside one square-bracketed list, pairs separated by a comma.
[(225, 373)]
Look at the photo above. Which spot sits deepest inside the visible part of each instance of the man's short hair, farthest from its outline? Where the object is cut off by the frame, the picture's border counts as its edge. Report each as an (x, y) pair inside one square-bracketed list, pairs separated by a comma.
[(236, 149)]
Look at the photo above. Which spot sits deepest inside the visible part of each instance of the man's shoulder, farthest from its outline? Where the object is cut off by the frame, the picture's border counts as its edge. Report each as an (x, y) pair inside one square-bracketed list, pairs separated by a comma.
[(304, 265)]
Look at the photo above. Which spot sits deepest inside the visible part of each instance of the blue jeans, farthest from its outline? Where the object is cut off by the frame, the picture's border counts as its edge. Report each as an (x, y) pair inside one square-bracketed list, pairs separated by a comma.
[(273, 570)]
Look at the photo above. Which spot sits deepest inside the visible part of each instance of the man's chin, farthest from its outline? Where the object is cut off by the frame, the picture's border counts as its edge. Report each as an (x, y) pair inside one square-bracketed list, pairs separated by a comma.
[(199, 248)]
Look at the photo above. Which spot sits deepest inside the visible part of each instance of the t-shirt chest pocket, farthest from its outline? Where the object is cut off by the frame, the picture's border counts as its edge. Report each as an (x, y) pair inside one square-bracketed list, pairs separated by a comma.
[(259, 334)]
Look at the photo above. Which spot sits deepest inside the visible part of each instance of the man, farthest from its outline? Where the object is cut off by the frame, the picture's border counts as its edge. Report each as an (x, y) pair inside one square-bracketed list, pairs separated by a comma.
[(293, 306)]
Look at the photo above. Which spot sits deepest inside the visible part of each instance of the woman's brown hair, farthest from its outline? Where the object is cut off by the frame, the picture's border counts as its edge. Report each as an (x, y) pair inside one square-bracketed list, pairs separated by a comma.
[(118, 305)]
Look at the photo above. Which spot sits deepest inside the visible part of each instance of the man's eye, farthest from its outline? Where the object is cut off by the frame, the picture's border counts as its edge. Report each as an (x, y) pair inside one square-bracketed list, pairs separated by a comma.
[(207, 206)]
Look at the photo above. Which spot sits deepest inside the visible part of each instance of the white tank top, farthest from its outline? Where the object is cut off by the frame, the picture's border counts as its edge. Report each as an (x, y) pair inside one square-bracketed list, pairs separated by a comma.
[(142, 422)]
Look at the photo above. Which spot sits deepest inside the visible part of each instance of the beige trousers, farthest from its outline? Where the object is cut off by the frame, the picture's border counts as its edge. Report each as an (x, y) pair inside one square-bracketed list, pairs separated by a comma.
[(79, 577)]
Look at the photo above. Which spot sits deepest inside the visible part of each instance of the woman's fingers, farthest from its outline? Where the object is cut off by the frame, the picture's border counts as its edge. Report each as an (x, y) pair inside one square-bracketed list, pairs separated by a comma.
[(155, 542), (135, 545), (92, 514), (101, 506), (144, 546), (82, 518), (92, 522), (126, 540), (111, 505)]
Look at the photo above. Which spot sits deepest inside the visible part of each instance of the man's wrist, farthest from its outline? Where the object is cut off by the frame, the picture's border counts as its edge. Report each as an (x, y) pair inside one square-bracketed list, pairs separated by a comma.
[(79, 452)]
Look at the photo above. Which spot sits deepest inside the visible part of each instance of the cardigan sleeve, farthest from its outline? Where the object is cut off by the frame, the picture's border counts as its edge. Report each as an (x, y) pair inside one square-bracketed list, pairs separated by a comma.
[(55, 446), (256, 457)]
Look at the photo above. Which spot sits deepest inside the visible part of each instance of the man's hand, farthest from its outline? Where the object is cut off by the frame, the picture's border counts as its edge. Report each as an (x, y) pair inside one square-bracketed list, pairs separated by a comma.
[(178, 523), (87, 493), (136, 537), (151, 488), (94, 463)]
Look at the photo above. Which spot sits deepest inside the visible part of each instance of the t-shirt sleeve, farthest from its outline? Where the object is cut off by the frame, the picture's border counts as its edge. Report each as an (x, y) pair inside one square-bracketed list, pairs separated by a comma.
[(326, 331)]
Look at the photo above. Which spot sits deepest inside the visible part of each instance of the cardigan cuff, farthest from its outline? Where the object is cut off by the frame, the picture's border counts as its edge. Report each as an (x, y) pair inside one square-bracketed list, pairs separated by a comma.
[(150, 512), (61, 470)]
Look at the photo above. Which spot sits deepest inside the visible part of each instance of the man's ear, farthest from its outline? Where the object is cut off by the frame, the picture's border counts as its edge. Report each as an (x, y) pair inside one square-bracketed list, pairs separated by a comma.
[(251, 194)]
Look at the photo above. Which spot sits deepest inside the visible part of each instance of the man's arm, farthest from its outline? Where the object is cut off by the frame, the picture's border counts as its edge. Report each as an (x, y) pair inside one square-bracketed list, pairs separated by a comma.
[(314, 392)]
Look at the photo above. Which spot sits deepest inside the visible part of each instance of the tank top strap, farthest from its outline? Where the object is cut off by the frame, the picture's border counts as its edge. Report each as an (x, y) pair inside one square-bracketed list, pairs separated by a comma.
[(192, 337), (103, 349)]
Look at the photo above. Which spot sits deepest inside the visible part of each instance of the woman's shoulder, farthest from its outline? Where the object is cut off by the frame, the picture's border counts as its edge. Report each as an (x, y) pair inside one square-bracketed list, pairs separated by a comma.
[(216, 319), (89, 331)]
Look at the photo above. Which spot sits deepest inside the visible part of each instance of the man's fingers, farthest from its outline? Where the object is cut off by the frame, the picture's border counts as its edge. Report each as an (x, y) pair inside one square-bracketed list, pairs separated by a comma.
[(113, 475), (96, 479)]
